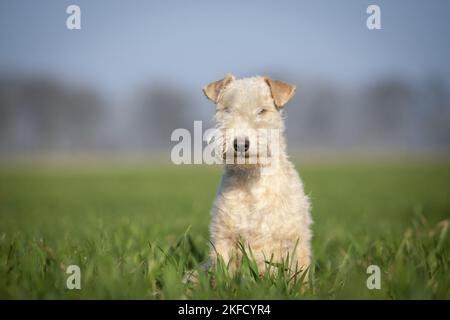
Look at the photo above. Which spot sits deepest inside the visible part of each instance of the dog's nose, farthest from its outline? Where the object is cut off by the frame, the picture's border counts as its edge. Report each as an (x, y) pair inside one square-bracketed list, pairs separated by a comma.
[(240, 145)]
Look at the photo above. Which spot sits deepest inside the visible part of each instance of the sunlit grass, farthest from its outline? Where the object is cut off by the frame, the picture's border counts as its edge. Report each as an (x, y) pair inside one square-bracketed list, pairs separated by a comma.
[(137, 232)]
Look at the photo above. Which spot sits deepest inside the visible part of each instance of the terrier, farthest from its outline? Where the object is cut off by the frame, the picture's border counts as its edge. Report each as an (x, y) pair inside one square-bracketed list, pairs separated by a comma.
[(261, 203)]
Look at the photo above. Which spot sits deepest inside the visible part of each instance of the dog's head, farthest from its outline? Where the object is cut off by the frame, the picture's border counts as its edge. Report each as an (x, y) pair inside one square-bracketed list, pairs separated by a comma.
[(249, 115)]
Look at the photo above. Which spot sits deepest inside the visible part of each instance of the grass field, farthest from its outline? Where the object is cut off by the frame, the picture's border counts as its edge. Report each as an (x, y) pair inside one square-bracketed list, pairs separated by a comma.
[(135, 231)]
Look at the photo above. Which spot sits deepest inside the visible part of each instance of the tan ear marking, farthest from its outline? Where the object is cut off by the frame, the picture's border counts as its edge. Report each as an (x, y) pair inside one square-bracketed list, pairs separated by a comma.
[(281, 92), (213, 89)]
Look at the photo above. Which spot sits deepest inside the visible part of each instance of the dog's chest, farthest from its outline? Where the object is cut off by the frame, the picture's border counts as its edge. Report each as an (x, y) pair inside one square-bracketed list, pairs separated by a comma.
[(258, 210)]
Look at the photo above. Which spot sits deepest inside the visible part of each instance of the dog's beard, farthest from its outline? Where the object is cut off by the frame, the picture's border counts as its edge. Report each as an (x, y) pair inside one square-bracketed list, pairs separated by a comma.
[(230, 156)]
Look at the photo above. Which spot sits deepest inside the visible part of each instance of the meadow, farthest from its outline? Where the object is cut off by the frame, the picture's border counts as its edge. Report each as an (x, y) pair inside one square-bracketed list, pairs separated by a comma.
[(135, 230)]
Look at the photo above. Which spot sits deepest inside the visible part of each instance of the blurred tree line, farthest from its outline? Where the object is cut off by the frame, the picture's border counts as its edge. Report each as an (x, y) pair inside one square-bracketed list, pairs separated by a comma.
[(41, 115)]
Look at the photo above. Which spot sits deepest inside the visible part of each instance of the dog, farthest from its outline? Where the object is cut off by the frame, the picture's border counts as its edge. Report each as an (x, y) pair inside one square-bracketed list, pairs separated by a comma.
[(260, 205)]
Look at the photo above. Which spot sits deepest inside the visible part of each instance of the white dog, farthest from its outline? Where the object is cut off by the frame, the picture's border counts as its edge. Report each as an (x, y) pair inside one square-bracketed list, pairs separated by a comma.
[(260, 204)]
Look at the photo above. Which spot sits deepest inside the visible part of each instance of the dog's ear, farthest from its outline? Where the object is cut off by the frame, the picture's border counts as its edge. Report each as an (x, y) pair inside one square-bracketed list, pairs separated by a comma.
[(281, 92), (213, 89)]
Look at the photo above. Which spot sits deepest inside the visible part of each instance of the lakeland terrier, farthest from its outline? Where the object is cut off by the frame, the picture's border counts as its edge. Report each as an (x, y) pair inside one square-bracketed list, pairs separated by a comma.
[(261, 204)]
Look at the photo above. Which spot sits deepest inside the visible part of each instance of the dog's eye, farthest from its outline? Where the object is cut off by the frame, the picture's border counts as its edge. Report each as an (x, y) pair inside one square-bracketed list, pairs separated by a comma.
[(262, 111), (226, 109)]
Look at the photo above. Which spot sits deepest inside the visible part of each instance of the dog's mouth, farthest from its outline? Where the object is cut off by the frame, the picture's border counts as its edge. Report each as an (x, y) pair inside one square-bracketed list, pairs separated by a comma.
[(245, 158), (241, 154), (236, 155)]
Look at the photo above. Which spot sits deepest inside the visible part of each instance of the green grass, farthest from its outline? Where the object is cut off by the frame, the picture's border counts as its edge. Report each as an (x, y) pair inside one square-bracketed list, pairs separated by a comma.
[(127, 230)]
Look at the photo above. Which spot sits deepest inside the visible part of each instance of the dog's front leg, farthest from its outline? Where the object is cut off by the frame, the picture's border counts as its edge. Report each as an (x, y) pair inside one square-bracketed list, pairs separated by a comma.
[(225, 251)]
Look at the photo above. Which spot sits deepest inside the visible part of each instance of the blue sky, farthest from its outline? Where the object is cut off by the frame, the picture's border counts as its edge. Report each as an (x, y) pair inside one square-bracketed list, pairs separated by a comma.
[(123, 44)]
